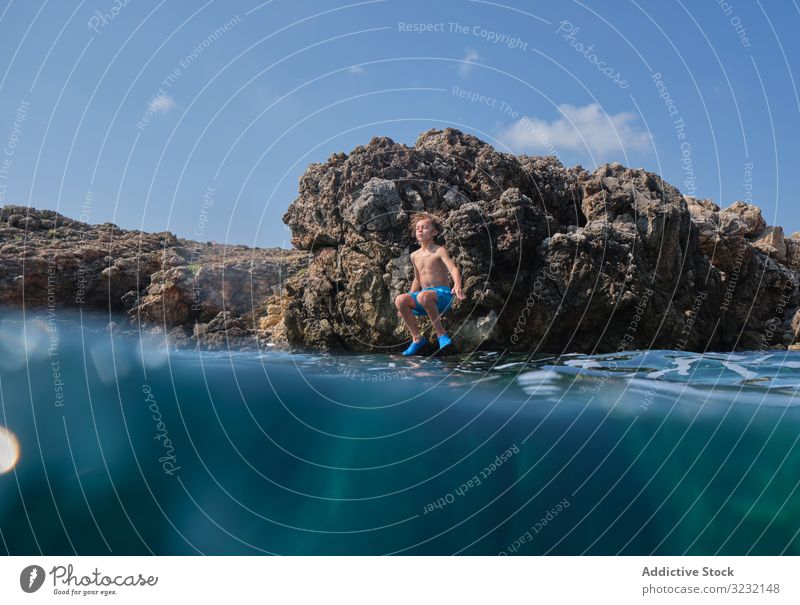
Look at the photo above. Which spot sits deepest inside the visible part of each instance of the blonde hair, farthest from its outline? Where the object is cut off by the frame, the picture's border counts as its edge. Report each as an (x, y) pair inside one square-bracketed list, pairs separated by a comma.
[(426, 216)]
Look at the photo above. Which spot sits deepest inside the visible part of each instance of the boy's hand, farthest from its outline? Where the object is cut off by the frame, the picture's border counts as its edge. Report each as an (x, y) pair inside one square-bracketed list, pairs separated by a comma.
[(457, 291)]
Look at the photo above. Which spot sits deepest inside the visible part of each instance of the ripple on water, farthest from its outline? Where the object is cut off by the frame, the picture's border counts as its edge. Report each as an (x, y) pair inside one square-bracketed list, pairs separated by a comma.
[(642, 377)]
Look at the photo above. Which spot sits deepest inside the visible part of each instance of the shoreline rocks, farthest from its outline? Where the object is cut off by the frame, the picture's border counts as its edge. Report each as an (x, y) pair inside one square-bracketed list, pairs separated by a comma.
[(553, 259), (208, 295)]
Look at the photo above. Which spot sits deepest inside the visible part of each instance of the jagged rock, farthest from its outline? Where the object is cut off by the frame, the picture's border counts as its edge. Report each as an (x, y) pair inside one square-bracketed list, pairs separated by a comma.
[(272, 316), (552, 258), (225, 321), (376, 208), (796, 325), (705, 219), (72, 263), (156, 278), (772, 242), (742, 219), (793, 253)]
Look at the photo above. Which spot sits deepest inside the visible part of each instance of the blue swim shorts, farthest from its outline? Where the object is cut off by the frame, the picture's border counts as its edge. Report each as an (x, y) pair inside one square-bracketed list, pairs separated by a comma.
[(444, 298)]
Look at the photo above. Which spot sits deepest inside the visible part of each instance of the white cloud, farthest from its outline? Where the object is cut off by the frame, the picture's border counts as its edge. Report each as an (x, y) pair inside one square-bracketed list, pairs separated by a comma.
[(467, 62), (357, 70), (586, 129), (162, 104)]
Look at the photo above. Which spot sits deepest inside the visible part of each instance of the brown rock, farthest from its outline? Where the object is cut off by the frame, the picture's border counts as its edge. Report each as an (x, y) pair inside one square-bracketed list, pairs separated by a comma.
[(551, 258), (772, 242), (743, 220), (158, 279)]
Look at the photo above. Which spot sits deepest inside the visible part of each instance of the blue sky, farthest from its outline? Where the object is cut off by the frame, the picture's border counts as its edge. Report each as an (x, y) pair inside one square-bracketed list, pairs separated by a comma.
[(142, 115)]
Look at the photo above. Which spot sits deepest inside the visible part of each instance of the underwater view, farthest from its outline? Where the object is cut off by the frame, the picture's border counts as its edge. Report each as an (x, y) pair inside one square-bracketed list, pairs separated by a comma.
[(111, 442)]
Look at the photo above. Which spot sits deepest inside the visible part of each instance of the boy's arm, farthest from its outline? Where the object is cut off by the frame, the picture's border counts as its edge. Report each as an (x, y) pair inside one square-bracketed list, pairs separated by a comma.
[(416, 285), (454, 273)]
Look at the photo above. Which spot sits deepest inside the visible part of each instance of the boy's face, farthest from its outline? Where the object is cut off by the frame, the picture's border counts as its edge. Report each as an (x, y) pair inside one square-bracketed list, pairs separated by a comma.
[(425, 230)]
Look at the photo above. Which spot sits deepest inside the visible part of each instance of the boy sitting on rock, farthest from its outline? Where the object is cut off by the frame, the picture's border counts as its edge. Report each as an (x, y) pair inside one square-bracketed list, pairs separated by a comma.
[(430, 293)]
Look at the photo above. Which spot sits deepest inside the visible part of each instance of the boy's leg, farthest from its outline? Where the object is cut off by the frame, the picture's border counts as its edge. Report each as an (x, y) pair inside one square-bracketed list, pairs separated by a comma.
[(428, 301), (405, 304)]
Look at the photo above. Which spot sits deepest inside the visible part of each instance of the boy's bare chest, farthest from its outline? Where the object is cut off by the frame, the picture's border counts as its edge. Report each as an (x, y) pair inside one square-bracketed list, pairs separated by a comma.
[(429, 263)]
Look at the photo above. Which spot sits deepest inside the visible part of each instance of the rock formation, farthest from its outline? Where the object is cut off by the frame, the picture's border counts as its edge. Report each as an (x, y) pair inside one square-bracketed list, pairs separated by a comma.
[(208, 294), (553, 258)]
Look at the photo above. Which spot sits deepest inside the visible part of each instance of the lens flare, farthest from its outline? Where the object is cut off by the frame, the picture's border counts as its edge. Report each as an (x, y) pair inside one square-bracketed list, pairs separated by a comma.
[(9, 450)]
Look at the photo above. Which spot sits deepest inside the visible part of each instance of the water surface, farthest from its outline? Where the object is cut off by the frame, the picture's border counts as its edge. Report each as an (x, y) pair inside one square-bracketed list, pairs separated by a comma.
[(146, 450)]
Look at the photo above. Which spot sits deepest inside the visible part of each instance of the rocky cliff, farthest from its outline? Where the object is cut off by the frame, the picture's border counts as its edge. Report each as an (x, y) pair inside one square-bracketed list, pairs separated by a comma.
[(213, 295), (553, 258)]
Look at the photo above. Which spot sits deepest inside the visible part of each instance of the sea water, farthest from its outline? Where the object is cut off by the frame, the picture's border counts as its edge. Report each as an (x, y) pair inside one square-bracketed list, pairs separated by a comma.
[(114, 443)]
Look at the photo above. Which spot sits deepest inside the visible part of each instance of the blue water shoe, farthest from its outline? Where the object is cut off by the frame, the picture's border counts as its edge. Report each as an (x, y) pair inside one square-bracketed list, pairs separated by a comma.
[(415, 347)]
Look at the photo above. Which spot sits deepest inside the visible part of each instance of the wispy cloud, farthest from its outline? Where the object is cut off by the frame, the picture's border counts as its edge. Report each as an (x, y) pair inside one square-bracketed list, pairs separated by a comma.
[(586, 129), (162, 103), (467, 62), (357, 70)]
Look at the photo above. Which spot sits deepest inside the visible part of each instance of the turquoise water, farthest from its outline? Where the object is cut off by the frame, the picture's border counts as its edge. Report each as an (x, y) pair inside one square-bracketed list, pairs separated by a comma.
[(185, 452)]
